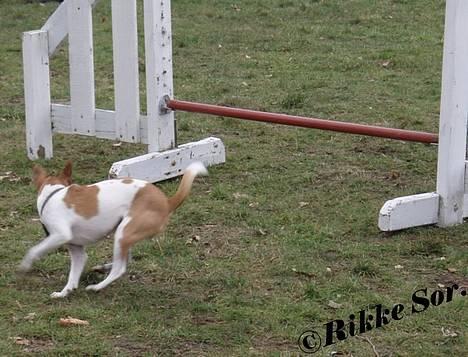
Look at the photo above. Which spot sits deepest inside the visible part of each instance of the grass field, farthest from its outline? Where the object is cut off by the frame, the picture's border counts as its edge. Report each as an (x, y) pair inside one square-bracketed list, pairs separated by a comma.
[(281, 239)]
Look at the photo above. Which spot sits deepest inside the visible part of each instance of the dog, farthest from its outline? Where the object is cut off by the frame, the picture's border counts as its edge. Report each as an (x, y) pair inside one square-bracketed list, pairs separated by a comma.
[(76, 216)]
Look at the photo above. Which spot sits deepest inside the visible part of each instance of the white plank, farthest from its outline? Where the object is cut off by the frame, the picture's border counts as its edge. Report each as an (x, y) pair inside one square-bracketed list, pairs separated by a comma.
[(82, 92), (453, 115), (105, 123), (154, 167), (409, 211), (57, 26), (159, 81), (126, 82), (37, 95)]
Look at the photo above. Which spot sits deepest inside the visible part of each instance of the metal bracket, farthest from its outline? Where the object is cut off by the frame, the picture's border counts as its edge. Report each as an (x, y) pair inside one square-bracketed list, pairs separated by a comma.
[(163, 108)]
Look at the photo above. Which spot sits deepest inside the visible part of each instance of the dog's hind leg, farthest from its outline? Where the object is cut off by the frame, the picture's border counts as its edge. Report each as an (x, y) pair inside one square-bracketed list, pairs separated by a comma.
[(78, 259), (130, 231), (119, 263)]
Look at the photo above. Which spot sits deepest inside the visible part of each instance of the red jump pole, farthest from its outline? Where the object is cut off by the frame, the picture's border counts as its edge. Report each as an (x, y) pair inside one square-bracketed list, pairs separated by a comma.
[(360, 129)]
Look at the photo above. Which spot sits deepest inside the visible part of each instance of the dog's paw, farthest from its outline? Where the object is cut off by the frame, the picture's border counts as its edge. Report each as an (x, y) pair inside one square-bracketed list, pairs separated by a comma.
[(58, 295), (102, 269), (94, 287), (25, 266)]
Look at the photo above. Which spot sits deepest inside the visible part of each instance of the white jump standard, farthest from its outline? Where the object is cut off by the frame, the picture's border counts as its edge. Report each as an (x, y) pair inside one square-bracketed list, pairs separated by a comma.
[(157, 129), (445, 207), (448, 205)]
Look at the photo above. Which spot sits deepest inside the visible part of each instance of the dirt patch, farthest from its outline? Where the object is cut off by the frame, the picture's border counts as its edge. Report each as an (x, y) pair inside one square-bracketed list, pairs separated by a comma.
[(34, 344), (449, 279), (132, 348)]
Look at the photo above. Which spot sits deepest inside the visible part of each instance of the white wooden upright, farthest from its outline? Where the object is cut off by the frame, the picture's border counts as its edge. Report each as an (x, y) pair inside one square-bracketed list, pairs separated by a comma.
[(453, 115), (126, 81), (82, 92), (448, 205), (37, 95), (159, 81)]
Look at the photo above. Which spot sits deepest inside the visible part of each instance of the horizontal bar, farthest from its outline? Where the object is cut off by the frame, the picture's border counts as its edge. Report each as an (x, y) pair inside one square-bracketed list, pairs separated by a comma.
[(360, 129), (105, 123)]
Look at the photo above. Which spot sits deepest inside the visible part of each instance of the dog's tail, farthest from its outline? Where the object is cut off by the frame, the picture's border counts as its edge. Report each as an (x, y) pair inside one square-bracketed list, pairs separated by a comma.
[(192, 171)]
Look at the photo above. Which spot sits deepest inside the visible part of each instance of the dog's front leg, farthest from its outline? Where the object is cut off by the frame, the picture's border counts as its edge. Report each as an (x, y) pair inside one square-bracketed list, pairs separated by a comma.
[(78, 259), (52, 242)]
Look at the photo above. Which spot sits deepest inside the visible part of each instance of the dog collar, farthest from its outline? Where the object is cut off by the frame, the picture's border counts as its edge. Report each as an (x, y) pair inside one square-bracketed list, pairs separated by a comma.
[(48, 198)]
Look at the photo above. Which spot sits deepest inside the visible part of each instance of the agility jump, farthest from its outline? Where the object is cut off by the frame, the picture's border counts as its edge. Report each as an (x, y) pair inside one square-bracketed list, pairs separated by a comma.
[(166, 159)]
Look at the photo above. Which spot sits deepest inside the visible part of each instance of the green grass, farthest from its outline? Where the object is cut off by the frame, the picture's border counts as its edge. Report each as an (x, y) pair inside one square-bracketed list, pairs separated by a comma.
[(288, 204)]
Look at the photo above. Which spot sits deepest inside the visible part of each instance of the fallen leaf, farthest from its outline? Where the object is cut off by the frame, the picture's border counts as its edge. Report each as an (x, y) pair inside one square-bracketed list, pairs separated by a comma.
[(238, 195), (22, 341), (447, 332), (451, 270), (334, 305), (194, 239), (386, 64), (30, 316), (304, 273), (393, 175), (10, 176), (71, 321)]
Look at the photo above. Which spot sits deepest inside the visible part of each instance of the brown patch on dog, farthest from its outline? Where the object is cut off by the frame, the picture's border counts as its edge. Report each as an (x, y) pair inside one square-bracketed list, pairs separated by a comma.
[(127, 181), (83, 199), (149, 214)]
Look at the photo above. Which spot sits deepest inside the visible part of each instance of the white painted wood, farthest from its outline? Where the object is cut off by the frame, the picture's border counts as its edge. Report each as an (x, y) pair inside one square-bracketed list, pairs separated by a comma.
[(466, 176), (159, 81), (57, 26), (453, 115), (80, 40), (412, 211), (126, 82), (105, 123), (154, 167), (37, 95), (409, 211)]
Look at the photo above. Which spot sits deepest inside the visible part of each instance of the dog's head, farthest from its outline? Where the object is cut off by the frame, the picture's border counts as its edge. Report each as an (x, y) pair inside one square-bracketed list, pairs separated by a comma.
[(41, 178)]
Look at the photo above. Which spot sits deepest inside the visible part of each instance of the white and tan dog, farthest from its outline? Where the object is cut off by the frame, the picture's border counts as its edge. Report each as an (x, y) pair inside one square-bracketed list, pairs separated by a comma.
[(78, 215)]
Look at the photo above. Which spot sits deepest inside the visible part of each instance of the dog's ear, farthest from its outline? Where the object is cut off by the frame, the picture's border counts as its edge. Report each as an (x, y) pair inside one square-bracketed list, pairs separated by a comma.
[(67, 172), (39, 175)]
